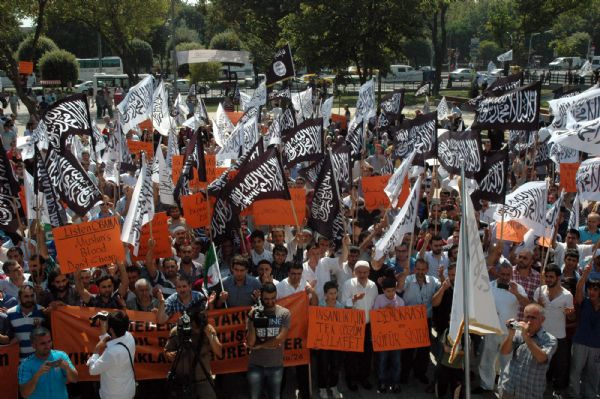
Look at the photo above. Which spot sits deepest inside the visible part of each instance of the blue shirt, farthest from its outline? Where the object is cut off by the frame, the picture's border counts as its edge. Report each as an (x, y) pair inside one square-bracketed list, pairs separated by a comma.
[(51, 385), (588, 325), (240, 295), (415, 294), (585, 235), (174, 305), (22, 325)]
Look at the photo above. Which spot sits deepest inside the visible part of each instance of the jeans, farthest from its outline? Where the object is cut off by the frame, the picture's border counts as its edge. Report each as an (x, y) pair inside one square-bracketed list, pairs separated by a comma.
[(388, 367), (256, 375), (487, 365), (585, 367), (328, 368)]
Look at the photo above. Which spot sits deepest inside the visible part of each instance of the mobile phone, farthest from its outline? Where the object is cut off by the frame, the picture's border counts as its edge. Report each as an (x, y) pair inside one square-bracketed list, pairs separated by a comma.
[(503, 286), (54, 363)]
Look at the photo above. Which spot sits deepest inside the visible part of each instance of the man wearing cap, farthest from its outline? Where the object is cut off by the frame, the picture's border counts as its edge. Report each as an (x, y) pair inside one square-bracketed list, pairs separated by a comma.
[(359, 293), (585, 360)]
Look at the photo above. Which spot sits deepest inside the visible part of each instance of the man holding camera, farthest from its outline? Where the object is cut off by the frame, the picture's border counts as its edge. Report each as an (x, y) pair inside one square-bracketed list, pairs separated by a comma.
[(267, 327), (532, 348), (113, 357), (45, 373), (189, 348)]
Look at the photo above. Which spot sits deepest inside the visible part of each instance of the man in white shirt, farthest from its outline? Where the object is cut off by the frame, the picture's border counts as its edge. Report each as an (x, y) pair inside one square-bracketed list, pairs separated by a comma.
[(295, 283), (359, 293), (558, 302), (258, 251), (320, 267), (508, 296), (113, 358)]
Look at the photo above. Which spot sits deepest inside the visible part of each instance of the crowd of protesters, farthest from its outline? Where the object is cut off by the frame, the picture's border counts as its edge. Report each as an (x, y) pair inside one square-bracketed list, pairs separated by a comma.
[(554, 345)]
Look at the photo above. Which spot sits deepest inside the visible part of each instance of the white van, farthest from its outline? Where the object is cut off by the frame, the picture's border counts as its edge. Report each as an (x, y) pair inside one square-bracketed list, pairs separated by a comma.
[(403, 73), (595, 62), (566, 63)]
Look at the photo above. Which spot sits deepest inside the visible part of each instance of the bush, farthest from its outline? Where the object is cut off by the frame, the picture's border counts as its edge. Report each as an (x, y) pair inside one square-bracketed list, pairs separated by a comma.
[(25, 50), (227, 40), (59, 65), (142, 54), (205, 72), (488, 51), (573, 45)]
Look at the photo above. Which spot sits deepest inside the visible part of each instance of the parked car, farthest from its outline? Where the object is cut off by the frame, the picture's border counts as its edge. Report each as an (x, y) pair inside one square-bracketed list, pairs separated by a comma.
[(403, 73), (595, 62), (461, 74), (566, 63), (84, 87)]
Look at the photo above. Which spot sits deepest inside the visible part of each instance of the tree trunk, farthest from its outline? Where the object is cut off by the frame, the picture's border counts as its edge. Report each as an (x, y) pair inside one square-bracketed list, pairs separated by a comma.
[(437, 58)]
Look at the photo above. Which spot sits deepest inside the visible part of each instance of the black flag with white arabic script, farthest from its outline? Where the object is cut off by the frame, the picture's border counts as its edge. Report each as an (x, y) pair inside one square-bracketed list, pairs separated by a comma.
[(42, 183), (418, 134), (452, 146), (342, 162), (325, 204), (504, 84), (517, 109), (492, 180), (260, 178), (355, 138), (304, 143), (282, 66), (391, 107), (9, 190)]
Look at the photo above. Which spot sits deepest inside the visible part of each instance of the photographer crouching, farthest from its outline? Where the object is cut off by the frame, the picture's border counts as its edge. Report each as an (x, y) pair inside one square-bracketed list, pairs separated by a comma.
[(189, 349)]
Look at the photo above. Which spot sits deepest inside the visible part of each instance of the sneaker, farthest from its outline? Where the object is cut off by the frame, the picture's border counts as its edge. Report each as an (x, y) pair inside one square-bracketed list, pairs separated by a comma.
[(336, 394), (323, 393), (382, 388), (396, 388)]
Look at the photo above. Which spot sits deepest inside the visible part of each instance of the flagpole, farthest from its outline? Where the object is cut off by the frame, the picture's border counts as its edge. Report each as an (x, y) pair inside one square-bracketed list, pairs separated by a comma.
[(466, 282)]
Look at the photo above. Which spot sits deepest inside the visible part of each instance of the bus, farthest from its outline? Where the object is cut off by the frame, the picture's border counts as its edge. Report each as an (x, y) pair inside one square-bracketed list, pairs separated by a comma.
[(113, 81), (90, 66)]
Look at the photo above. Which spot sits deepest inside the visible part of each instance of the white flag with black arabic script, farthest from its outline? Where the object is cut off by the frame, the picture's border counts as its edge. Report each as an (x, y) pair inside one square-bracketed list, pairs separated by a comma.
[(326, 112), (582, 136), (136, 107), (526, 205), (303, 104), (224, 126), (394, 186), (141, 209), (587, 180), (165, 179), (404, 223), (574, 216), (257, 99), (442, 109), (508, 56), (160, 110)]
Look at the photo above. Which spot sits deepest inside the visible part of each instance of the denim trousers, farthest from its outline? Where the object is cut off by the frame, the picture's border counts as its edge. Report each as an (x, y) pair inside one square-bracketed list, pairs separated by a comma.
[(256, 376), (388, 367)]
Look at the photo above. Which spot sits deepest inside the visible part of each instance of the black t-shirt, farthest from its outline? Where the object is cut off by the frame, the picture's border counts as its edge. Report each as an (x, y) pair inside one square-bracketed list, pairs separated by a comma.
[(441, 313), (385, 272)]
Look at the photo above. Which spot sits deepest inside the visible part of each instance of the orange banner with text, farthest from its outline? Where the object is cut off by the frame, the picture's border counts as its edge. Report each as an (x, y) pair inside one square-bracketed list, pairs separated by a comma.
[(399, 328), (376, 198), (89, 244), (336, 329), (9, 366), (160, 234), (195, 210), (279, 212), (568, 171)]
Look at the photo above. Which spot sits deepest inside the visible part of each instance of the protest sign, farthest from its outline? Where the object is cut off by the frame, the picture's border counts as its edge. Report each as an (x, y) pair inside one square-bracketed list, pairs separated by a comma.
[(341, 119), (374, 195), (89, 244), (278, 211), (72, 333), (195, 210), (147, 124), (234, 116), (160, 234), (177, 167), (136, 147), (568, 171), (25, 67), (512, 231), (9, 366), (336, 329), (211, 167), (399, 328), (231, 330)]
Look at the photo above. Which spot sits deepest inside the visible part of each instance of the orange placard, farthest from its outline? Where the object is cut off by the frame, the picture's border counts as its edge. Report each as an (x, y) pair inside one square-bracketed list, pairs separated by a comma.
[(177, 167), (136, 147), (399, 328), (90, 244), (160, 233), (72, 333), (341, 119), (9, 366), (567, 176), (234, 116), (231, 326), (147, 124), (336, 329), (513, 231), (278, 211), (25, 67), (376, 198), (211, 167), (22, 198), (195, 210)]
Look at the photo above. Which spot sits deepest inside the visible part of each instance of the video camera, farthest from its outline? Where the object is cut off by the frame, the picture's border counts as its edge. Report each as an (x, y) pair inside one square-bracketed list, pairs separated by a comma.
[(103, 316), (258, 316)]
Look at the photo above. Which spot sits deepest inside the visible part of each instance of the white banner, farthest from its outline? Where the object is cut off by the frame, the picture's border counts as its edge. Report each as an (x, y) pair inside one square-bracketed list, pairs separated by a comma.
[(508, 56), (394, 186), (136, 107), (160, 110), (526, 205), (588, 180)]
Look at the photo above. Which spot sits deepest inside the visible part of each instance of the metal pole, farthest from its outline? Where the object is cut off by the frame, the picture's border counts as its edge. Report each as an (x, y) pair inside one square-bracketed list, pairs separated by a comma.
[(466, 282), (175, 90)]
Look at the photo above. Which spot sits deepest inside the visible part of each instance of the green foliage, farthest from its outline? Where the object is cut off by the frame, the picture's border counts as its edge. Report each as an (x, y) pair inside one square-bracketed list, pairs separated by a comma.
[(228, 40), (573, 45), (205, 72), (183, 34), (76, 37), (142, 54), (59, 65), (25, 52), (417, 51), (488, 51)]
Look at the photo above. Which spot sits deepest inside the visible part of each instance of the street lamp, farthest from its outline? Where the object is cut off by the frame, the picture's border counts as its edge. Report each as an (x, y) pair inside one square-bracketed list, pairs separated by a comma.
[(530, 42)]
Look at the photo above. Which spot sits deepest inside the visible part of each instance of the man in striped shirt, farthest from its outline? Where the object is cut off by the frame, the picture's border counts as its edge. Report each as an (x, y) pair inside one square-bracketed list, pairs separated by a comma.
[(24, 318)]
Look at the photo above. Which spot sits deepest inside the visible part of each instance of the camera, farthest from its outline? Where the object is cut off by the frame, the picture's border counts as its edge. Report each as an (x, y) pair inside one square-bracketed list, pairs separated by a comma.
[(503, 286), (258, 316), (514, 325), (102, 316), (184, 326)]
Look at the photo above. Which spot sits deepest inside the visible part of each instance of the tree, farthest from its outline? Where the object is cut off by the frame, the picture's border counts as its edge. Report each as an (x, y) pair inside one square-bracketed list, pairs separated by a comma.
[(228, 40), (142, 55), (77, 38), (119, 22), (418, 51), (26, 51), (437, 11), (59, 65), (339, 33), (488, 51), (205, 72), (573, 45)]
